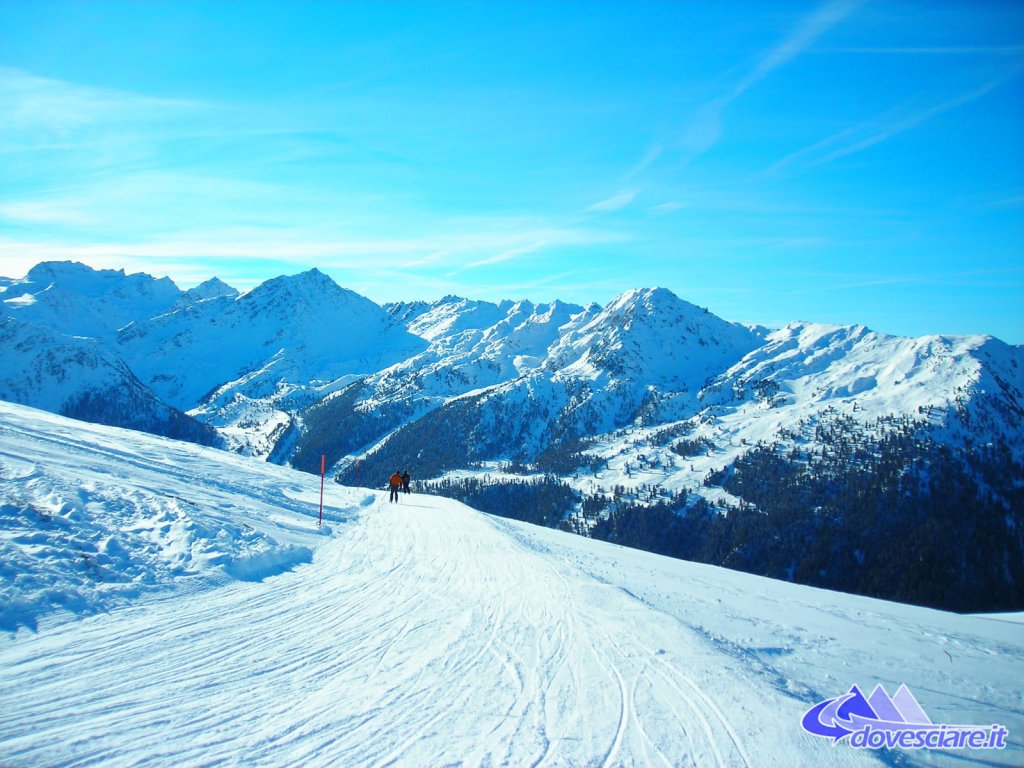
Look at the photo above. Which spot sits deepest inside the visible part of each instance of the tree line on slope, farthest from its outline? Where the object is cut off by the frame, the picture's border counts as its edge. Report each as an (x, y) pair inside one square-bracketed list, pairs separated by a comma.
[(131, 408), (336, 427), (542, 501), (902, 518)]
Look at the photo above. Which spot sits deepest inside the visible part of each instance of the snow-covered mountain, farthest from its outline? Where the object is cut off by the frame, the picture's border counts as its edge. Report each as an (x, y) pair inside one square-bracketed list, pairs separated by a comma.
[(164, 604), (651, 336), (584, 371), (644, 347), (646, 403), (244, 363), (58, 327), (618, 377), (214, 288), (473, 344), (241, 363), (806, 368), (289, 332), (74, 299), (79, 377)]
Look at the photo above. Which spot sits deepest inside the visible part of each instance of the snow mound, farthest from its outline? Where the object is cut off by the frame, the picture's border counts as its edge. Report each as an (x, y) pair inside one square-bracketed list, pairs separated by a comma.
[(93, 517)]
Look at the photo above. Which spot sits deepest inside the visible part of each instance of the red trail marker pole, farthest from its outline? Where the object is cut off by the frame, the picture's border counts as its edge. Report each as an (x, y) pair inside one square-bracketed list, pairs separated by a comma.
[(323, 460)]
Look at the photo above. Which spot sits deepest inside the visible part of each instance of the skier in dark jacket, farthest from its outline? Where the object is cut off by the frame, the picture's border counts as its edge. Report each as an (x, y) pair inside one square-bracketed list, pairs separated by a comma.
[(395, 483), (405, 480)]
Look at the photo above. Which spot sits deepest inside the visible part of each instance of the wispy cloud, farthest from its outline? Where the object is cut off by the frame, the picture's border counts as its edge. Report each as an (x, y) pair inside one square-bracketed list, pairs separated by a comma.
[(977, 50), (670, 207), (650, 155), (118, 204), (1007, 203), (86, 135), (813, 27), (40, 112), (705, 129), (818, 280), (62, 212), (616, 202), (452, 252), (873, 132), (507, 255)]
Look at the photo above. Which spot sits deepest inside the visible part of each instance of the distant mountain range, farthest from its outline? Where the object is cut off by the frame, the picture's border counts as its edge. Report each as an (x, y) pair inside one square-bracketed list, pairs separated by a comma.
[(649, 403)]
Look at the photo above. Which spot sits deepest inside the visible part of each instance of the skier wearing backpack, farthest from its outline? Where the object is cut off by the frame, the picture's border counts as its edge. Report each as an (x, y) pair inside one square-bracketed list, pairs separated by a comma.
[(396, 485), (405, 480)]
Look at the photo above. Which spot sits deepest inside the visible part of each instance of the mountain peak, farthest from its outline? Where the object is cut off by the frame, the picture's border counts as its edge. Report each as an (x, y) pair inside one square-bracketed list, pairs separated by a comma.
[(68, 268), (659, 307), (651, 335), (50, 271), (310, 277), (651, 300), (310, 288), (211, 289)]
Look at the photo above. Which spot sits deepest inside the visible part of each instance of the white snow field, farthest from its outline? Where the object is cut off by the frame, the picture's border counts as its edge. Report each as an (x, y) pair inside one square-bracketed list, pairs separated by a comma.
[(170, 605)]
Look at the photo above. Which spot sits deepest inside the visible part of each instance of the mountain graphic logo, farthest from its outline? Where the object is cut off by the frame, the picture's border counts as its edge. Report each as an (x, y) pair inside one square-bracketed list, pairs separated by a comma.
[(841, 716), (880, 720)]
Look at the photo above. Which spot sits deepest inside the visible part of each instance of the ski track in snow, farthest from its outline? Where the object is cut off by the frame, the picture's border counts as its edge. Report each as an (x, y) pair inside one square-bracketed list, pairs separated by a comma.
[(423, 636), (424, 633)]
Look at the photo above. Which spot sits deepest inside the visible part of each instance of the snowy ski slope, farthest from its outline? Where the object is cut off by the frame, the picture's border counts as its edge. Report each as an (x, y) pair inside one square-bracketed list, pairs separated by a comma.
[(178, 606)]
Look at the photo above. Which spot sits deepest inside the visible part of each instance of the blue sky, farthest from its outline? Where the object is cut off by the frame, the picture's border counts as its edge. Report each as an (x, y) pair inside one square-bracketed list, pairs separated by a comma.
[(843, 162)]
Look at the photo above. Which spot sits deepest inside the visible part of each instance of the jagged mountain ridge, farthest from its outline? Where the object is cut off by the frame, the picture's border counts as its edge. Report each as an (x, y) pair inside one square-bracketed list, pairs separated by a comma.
[(537, 376), (251, 362), (650, 360), (473, 346), (58, 325), (74, 299), (593, 418), (296, 330), (807, 365)]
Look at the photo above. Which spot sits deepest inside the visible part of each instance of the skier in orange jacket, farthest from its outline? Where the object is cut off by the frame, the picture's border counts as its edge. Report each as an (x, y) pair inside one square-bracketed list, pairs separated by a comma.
[(396, 485)]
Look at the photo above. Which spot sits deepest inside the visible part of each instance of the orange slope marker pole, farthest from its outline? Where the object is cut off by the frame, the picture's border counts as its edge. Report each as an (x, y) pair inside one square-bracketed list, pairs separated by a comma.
[(323, 459)]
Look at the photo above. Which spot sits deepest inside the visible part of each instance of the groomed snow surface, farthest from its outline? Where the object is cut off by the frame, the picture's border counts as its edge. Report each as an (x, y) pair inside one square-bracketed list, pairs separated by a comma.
[(169, 605)]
